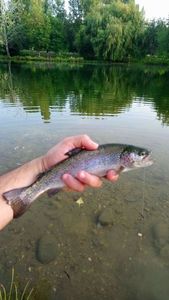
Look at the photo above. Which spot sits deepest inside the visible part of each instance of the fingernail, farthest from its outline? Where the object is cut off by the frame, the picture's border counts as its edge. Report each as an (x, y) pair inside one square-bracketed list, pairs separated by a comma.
[(82, 175), (65, 176), (95, 144)]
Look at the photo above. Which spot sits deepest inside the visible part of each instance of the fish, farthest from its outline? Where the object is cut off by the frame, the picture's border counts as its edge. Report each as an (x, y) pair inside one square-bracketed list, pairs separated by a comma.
[(117, 157)]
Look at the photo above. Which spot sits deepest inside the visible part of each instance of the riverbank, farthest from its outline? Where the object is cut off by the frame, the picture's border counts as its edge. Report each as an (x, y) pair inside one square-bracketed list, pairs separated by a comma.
[(72, 59), (148, 60), (156, 60)]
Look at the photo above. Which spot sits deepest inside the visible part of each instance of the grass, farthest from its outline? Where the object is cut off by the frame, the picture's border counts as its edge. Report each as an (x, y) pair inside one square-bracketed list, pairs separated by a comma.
[(14, 293), (41, 58)]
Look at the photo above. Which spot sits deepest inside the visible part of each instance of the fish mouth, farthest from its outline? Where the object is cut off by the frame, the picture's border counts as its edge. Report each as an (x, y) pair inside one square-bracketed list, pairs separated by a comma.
[(146, 161)]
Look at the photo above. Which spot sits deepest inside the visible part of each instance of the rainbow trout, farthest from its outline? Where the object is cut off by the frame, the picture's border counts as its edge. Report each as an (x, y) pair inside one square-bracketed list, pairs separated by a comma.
[(118, 157)]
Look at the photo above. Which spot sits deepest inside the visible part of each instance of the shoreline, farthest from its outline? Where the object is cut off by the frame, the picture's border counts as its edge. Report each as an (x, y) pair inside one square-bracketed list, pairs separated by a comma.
[(149, 60)]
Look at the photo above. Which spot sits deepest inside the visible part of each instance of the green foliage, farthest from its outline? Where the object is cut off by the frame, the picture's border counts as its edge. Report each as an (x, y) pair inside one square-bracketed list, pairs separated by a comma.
[(36, 56), (156, 60), (156, 40), (57, 35), (38, 36), (112, 30), (150, 38), (11, 26), (162, 38)]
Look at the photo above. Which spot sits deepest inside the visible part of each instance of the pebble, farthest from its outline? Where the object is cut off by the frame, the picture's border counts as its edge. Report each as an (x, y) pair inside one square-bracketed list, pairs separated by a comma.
[(46, 249), (140, 234), (106, 217)]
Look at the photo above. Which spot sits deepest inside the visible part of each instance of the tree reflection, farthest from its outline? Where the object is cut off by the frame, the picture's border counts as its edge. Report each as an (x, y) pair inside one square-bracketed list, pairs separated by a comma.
[(89, 90)]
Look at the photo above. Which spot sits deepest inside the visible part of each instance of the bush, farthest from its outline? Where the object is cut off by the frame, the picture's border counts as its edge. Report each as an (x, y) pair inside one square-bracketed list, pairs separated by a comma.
[(156, 60), (42, 58), (28, 53)]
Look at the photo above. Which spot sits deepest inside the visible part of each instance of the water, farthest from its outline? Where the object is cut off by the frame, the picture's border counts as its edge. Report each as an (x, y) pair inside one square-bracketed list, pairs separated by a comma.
[(128, 259)]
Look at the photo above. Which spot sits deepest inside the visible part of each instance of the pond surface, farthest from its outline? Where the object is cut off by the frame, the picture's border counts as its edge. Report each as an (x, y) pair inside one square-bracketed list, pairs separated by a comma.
[(126, 258)]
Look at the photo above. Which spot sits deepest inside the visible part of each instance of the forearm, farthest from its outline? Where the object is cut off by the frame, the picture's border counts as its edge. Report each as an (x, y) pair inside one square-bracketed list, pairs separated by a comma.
[(20, 177)]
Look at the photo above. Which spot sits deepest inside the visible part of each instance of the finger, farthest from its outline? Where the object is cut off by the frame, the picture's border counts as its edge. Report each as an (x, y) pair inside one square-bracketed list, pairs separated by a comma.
[(83, 141), (73, 183), (112, 176), (89, 179)]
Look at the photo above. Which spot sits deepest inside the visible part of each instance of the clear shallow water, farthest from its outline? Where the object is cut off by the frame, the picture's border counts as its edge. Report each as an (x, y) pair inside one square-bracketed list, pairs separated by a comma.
[(41, 104)]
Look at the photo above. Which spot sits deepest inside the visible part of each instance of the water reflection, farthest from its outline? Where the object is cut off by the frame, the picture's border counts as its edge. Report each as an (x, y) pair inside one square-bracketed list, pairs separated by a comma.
[(85, 90)]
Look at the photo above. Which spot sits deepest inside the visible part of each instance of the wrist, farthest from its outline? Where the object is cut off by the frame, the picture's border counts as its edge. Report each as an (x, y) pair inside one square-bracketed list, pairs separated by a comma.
[(40, 164), (43, 164)]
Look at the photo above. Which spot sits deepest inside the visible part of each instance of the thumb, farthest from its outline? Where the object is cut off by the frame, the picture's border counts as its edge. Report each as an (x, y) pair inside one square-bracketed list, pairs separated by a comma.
[(84, 141)]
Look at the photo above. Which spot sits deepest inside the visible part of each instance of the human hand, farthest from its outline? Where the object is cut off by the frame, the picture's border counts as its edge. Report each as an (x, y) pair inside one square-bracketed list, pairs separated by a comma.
[(57, 154)]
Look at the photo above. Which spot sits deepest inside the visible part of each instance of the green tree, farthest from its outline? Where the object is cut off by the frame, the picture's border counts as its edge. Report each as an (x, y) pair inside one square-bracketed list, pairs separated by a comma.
[(149, 41), (73, 23), (57, 15), (3, 27), (162, 38), (156, 38), (37, 25), (11, 25), (112, 28)]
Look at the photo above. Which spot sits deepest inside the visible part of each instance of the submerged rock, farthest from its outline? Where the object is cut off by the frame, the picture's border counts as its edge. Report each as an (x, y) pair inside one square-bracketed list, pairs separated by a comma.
[(46, 249), (106, 217), (160, 232), (164, 253)]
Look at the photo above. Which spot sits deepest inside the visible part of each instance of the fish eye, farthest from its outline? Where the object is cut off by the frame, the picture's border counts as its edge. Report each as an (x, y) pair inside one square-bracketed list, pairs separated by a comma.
[(143, 153)]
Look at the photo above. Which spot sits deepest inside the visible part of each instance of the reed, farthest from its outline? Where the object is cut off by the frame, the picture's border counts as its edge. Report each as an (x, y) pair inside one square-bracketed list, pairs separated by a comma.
[(14, 293)]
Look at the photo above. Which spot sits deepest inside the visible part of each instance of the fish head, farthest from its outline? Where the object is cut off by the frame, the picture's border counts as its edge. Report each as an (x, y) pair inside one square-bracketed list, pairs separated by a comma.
[(133, 157)]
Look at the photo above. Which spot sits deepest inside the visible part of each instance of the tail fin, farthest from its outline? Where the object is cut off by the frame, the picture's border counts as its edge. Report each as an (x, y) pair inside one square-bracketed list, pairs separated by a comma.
[(14, 199), (13, 194)]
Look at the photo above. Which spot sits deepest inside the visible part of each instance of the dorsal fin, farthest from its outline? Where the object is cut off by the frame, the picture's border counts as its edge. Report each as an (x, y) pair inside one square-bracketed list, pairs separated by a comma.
[(73, 152)]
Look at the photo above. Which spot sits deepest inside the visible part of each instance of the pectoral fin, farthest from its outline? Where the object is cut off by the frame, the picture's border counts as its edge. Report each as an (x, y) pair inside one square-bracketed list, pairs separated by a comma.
[(120, 170), (73, 152), (52, 192)]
